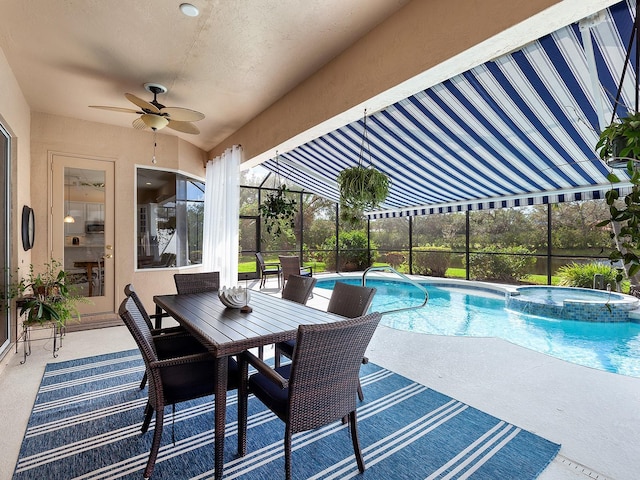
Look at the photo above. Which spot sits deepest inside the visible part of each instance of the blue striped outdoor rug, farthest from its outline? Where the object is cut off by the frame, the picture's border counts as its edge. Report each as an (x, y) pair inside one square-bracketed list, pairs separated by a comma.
[(86, 422)]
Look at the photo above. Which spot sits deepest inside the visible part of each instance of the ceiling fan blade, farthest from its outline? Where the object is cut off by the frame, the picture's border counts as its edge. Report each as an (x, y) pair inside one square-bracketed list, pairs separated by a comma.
[(139, 124), (182, 114), (184, 127), (115, 109), (144, 105), (154, 122)]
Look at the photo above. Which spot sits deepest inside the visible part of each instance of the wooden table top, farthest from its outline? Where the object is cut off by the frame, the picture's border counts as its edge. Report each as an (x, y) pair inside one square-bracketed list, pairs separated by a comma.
[(228, 331)]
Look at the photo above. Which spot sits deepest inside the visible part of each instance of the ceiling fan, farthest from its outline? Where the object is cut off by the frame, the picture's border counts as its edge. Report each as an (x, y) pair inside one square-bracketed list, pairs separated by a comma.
[(156, 116)]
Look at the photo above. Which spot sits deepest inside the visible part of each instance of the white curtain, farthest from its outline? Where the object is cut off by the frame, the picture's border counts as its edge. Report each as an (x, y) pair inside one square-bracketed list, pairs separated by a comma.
[(221, 216)]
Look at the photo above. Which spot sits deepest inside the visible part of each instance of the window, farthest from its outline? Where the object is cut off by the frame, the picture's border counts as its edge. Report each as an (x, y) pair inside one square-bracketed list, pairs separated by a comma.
[(170, 212)]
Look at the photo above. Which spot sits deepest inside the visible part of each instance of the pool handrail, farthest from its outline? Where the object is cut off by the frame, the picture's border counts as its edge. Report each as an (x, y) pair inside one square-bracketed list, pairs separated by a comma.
[(404, 277)]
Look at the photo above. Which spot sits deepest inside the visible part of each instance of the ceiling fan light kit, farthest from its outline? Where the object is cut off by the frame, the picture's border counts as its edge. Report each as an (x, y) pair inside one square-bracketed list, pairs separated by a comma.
[(156, 116), (154, 121)]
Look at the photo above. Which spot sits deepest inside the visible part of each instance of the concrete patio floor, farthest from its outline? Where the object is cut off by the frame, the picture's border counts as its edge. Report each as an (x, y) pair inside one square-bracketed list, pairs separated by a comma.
[(594, 415)]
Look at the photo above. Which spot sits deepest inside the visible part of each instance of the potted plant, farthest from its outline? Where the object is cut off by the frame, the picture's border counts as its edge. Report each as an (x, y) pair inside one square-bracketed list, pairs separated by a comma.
[(361, 188), (619, 142), (45, 297), (277, 209)]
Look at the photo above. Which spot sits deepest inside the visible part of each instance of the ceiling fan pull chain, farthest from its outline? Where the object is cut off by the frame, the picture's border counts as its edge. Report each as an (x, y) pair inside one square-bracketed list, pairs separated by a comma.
[(155, 144)]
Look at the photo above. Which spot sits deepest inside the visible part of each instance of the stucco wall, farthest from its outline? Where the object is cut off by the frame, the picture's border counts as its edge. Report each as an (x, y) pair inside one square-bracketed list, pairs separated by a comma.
[(419, 46), (15, 115), (126, 147)]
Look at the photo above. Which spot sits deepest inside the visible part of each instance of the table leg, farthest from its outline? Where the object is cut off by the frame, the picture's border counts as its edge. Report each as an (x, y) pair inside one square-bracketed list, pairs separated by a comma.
[(222, 364), (158, 316)]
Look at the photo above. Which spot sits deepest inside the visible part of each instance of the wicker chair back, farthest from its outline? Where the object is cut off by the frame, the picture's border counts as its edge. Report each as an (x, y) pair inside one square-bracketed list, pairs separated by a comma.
[(197, 282), (350, 301), (298, 289), (325, 371), (291, 266)]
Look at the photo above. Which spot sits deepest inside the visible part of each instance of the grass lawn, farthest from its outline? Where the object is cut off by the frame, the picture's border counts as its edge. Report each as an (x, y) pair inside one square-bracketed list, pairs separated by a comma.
[(250, 265), (319, 267)]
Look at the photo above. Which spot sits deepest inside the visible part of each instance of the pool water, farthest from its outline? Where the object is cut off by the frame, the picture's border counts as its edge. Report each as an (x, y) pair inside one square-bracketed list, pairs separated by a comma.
[(557, 295), (567, 303), (612, 347)]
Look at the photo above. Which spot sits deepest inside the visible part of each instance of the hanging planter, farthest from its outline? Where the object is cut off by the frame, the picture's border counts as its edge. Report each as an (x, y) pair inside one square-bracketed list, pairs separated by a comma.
[(361, 187), (619, 142), (278, 210)]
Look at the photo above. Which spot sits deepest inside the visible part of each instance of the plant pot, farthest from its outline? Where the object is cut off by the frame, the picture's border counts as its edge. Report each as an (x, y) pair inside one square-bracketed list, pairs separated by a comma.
[(362, 188), (45, 291), (617, 160)]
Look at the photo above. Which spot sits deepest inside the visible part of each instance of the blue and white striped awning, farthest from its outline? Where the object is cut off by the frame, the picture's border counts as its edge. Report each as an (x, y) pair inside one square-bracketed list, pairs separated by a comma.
[(519, 130)]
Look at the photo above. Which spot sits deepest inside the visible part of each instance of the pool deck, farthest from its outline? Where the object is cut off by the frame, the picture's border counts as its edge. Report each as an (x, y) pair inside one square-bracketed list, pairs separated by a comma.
[(594, 415)]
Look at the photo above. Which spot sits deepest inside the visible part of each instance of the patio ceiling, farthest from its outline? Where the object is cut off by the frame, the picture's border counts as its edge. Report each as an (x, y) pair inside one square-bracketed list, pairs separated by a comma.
[(518, 130)]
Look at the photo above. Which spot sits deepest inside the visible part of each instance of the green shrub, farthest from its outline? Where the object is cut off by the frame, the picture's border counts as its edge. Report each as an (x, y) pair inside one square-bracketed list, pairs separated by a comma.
[(394, 259), (581, 275), (353, 251), (431, 260), (501, 264)]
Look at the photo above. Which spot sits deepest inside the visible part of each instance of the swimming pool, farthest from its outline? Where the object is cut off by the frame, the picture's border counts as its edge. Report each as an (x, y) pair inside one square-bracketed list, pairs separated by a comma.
[(455, 310)]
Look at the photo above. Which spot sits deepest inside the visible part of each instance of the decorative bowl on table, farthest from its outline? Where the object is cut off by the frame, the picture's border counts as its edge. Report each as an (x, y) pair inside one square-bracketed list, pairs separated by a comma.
[(234, 297)]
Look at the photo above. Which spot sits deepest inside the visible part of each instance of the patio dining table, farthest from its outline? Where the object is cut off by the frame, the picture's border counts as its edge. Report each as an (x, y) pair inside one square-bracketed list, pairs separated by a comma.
[(228, 331)]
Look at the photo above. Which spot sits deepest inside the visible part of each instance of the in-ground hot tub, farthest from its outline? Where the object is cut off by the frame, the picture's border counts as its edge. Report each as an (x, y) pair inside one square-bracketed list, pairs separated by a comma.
[(572, 303)]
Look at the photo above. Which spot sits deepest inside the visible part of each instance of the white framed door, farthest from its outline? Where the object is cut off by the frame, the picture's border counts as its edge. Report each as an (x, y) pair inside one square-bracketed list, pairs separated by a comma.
[(82, 232)]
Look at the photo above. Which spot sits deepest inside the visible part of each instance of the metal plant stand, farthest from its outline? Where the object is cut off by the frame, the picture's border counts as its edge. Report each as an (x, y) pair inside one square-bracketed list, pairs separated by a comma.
[(57, 331)]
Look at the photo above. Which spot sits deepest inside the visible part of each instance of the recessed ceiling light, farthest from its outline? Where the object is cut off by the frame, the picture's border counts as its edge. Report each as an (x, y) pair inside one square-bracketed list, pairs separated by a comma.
[(189, 10)]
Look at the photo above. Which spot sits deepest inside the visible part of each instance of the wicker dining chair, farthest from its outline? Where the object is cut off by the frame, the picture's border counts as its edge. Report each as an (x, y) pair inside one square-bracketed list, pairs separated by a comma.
[(130, 292), (317, 388), (267, 269), (347, 301), (297, 289), (176, 373), (291, 266), (350, 300), (197, 282)]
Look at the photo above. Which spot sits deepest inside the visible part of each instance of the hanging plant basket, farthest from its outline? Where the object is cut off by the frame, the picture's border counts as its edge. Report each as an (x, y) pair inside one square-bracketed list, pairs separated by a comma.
[(278, 210), (362, 187), (619, 142)]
